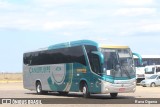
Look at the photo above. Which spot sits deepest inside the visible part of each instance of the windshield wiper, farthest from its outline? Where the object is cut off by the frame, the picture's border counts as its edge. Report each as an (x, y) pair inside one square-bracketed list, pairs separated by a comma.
[(126, 72)]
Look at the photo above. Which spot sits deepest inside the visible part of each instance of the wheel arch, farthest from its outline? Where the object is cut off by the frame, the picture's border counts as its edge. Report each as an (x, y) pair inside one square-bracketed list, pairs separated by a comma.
[(153, 83), (38, 80), (82, 82)]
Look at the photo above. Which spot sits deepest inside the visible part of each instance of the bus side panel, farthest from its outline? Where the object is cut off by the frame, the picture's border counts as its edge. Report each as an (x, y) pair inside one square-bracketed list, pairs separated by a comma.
[(32, 74), (54, 77), (79, 71), (27, 79), (74, 85), (61, 77), (96, 83)]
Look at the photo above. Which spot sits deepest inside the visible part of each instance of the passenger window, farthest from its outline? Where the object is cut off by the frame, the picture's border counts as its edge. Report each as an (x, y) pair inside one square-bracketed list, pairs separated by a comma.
[(93, 59), (158, 69), (56, 56), (95, 65)]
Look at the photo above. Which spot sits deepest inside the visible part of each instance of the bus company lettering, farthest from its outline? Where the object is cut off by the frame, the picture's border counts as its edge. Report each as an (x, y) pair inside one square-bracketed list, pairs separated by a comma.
[(40, 69), (82, 70)]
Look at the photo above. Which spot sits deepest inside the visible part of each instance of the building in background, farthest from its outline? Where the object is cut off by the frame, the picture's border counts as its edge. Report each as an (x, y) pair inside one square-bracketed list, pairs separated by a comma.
[(147, 60)]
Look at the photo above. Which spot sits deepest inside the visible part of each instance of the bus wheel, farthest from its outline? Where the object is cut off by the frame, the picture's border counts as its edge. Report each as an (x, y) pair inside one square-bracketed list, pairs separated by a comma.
[(85, 91), (39, 88), (153, 84), (63, 93), (113, 95)]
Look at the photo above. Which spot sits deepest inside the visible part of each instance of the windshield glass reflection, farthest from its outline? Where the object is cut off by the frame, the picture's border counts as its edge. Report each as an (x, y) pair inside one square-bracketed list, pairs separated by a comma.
[(153, 77), (118, 62)]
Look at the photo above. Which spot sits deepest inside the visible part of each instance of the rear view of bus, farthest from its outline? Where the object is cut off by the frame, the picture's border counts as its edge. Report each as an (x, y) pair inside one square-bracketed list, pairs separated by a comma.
[(118, 70)]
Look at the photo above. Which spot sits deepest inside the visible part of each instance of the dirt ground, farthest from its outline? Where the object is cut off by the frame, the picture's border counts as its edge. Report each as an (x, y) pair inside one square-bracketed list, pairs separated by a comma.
[(16, 90), (10, 77)]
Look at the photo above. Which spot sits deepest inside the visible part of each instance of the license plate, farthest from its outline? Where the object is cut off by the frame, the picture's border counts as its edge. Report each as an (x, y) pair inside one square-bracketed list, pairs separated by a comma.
[(121, 89)]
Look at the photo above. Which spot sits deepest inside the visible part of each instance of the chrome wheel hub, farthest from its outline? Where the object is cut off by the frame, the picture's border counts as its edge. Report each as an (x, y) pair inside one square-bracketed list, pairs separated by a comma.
[(84, 90)]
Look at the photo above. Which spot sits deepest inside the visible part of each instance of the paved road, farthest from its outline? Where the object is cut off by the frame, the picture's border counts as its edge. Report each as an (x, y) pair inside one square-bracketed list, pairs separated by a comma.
[(15, 90)]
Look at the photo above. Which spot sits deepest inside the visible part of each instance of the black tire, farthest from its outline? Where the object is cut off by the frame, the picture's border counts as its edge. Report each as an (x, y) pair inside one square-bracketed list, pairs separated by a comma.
[(39, 89), (153, 84), (86, 93), (113, 95), (63, 93)]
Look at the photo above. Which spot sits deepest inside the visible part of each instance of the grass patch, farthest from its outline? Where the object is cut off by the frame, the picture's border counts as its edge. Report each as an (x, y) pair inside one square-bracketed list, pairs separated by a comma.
[(11, 77)]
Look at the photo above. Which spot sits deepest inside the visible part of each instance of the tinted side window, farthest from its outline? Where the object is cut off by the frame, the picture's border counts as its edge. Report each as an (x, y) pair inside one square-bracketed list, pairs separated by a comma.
[(158, 69), (90, 48), (94, 62), (27, 58), (76, 54), (93, 59), (57, 56)]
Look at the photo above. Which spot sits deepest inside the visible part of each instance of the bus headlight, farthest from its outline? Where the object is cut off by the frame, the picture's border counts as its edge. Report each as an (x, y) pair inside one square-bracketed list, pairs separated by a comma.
[(106, 89), (134, 83), (134, 89)]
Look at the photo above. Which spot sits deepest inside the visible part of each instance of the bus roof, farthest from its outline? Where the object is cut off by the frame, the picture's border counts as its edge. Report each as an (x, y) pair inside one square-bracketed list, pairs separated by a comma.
[(152, 66), (72, 43), (113, 46), (67, 44), (149, 56)]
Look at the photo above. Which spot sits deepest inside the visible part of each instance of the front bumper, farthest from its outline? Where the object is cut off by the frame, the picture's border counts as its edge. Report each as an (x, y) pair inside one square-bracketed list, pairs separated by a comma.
[(145, 84), (117, 88)]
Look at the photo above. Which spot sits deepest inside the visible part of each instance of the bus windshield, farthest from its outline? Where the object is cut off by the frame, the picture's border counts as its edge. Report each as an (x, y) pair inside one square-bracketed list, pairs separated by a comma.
[(118, 62)]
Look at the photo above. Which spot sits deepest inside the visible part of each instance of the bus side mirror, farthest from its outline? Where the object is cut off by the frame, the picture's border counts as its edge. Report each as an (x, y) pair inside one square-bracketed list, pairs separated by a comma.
[(139, 58), (101, 57)]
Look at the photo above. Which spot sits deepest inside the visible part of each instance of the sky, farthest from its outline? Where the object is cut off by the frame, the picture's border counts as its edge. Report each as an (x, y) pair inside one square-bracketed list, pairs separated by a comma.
[(32, 24)]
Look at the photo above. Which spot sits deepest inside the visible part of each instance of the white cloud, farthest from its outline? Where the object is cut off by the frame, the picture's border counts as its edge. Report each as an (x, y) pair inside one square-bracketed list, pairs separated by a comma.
[(47, 15), (50, 3), (154, 27), (35, 18), (135, 2), (50, 25), (3, 4), (67, 33), (135, 11), (6, 5), (39, 24)]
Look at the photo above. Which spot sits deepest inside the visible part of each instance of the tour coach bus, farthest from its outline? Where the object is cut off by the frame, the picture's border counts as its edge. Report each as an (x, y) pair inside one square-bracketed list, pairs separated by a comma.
[(80, 66)]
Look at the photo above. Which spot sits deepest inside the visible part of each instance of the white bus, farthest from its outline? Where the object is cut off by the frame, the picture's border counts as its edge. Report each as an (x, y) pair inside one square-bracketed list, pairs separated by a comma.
[(151, 70), (148, 61)]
